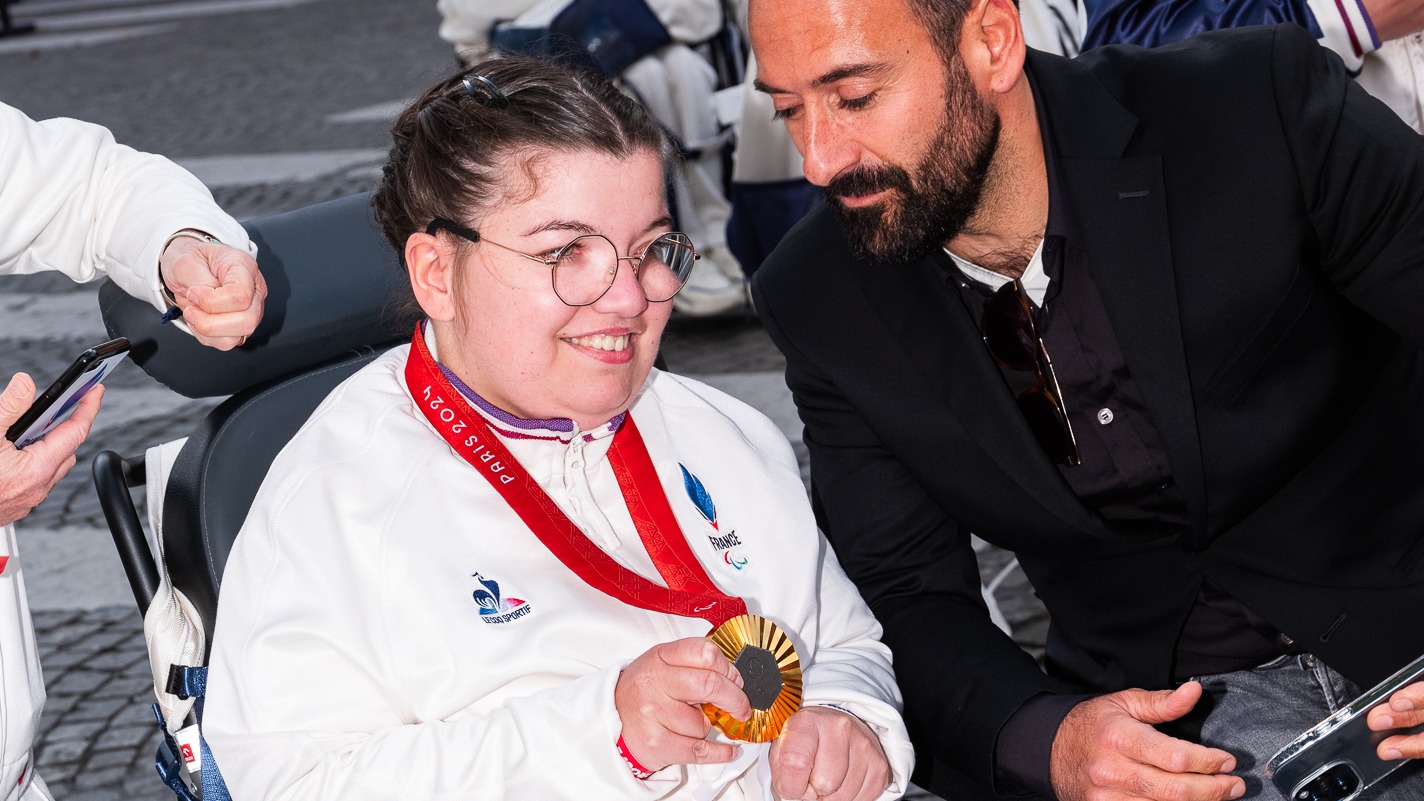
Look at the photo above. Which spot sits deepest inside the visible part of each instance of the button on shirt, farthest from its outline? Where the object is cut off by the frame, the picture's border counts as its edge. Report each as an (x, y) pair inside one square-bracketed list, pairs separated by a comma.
[(1124, 476)]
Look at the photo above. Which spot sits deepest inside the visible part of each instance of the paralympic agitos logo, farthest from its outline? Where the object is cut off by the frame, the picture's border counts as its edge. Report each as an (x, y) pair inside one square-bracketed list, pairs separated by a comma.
[(727, 544)]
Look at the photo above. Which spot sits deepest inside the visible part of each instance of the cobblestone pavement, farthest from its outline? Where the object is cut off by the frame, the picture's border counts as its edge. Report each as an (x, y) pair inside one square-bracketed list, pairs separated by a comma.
[(99, 737), (263, 77)]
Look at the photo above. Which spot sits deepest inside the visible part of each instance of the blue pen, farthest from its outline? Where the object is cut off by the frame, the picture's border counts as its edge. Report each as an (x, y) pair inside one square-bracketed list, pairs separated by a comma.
[(169, 316)]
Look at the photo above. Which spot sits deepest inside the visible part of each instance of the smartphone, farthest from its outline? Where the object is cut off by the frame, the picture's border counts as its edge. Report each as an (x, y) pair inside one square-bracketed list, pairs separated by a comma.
[(1336, 760), (57, 403)]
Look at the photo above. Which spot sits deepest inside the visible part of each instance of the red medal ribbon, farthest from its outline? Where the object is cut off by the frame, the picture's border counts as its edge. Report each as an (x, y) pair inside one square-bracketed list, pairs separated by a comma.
[(690, 592)]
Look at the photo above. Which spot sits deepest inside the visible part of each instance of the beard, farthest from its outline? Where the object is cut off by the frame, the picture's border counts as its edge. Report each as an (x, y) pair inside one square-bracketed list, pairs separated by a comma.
[(930, 206)]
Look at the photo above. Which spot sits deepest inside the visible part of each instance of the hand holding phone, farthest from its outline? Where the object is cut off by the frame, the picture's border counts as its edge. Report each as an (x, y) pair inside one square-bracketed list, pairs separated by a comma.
[(1402, 718), (1337, 760), (53, 426), (57, 402)]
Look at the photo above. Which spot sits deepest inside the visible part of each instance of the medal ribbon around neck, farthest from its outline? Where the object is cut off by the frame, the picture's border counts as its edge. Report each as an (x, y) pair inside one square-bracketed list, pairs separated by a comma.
[(690, 592)]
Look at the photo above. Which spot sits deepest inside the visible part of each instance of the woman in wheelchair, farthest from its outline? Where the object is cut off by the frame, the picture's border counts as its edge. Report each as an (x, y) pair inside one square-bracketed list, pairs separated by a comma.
[(488, 565)]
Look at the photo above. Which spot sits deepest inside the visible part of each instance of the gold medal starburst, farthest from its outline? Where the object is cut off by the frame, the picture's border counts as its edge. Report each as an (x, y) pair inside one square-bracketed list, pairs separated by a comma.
[(771, 677)]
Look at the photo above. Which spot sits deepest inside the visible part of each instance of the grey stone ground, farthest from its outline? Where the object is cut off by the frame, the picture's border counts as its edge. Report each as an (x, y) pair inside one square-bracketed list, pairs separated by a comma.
[(244, 83)]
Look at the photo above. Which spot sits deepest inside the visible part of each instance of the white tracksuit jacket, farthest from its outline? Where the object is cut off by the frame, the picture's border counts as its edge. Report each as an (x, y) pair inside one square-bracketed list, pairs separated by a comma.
[(73, 200), (352, 661)]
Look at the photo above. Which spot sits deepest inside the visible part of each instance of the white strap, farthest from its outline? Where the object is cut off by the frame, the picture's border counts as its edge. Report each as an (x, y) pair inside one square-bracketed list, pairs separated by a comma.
[(172, 627)]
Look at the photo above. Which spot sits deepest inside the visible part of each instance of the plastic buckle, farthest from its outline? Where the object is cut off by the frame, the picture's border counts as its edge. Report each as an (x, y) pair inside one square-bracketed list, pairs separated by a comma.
[(169, 763)]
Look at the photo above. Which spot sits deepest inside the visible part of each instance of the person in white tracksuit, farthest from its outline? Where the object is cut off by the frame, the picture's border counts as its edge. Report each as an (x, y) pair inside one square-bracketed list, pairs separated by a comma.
[(394, 624), (74, 201)]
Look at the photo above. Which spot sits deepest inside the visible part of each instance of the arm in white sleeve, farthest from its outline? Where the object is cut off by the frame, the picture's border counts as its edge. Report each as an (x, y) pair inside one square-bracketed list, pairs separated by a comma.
[(1345, 27), (689, 21), (852, 671), (466, 24), (74, 200), (326, 739), (307, 698)]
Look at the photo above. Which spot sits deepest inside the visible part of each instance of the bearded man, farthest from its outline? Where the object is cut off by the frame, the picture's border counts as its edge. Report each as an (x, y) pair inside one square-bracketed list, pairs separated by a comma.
[(1149, 319)]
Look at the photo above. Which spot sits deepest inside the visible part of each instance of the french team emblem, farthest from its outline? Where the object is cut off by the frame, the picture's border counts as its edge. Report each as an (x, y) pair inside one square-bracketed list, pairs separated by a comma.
[(725, 544), (495, 609)]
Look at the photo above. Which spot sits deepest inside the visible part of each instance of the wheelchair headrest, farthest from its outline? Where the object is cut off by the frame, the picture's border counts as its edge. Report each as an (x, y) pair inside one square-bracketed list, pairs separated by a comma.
[(334, 286), (222, 465)]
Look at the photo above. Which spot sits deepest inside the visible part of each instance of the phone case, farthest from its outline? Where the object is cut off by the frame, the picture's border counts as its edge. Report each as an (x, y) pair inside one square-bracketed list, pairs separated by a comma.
[(56, 403), (1336, 760)]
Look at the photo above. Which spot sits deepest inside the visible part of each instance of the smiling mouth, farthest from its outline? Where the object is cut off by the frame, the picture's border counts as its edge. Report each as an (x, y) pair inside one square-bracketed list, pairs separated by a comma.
[(602, 342)]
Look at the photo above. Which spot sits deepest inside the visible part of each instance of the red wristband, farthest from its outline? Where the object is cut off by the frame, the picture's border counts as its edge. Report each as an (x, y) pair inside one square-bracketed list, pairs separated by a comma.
[(639, 771)]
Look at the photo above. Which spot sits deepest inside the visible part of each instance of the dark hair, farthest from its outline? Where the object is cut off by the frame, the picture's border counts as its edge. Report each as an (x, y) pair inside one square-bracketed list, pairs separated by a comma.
[(456, 144), (942, 20)]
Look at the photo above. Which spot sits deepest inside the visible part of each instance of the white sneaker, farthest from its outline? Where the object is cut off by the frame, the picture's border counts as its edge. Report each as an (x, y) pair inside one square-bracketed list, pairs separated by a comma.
[(709, 290)]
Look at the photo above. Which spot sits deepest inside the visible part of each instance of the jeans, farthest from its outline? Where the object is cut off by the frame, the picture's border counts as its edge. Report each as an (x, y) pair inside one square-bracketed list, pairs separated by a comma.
[(1252, 714)]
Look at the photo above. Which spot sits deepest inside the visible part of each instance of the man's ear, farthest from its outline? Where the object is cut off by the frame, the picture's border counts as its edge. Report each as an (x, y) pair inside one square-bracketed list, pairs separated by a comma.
[(431, 265), (993, 44)]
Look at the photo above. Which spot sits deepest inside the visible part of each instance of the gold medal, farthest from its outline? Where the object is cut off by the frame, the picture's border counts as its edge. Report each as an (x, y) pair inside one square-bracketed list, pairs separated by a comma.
[(771, 677)]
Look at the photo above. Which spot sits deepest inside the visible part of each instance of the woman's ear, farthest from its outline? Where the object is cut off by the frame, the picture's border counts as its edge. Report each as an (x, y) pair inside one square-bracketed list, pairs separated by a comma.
[(431, 265)]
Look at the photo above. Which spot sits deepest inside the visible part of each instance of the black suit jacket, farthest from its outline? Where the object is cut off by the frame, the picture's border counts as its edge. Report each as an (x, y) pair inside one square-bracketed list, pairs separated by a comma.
[(1255, 225)]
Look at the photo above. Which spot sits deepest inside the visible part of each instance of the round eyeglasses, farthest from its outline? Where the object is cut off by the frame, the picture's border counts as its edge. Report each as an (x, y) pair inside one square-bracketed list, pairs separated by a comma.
[(584, 269)]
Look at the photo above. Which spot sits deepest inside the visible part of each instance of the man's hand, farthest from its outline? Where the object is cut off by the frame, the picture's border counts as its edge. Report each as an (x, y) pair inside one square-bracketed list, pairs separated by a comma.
[(218, 288), (28, 475), (827, 755), (659, 697), (1106, 749), (1404, 709)]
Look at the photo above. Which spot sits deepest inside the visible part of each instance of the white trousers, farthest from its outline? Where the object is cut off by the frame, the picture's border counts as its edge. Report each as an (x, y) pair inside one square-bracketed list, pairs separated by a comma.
[(22, 691)]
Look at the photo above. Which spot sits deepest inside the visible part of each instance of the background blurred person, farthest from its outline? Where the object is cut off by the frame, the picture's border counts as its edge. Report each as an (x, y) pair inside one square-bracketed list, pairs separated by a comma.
[(654, 50), (1379, 40)]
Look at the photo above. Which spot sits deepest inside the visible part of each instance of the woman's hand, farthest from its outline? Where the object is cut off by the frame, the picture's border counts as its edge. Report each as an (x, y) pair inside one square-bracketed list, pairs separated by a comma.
[(825, 754), (659, 697)]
